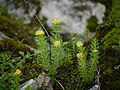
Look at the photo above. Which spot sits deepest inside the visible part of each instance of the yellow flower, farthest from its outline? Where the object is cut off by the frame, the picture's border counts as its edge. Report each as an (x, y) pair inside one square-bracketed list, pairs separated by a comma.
[(55, 21), (39, 32), (95, 50), (56, 43), (80, 55), (17, 72), (79, 44)]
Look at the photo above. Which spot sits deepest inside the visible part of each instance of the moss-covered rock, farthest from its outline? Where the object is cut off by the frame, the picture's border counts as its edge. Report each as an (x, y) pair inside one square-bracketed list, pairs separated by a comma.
[(12, 45), (108, 34), (14, 28)]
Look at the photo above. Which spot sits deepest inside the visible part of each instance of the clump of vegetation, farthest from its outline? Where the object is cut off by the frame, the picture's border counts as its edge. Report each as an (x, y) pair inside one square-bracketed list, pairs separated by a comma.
[(53, 54), (11, 70), (92, 24), (71, 64), (88, 68), (18, 65), (108, 35)]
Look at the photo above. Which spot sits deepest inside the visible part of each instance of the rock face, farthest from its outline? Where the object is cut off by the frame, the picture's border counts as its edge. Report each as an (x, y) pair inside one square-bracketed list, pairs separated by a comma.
[(73, 14), (20, 9), (3, 36), (95, 87), (42, 82)]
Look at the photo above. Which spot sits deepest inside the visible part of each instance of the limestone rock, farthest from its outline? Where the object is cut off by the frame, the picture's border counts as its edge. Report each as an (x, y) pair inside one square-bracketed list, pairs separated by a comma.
[(3, 36), (95, 87), (42, 82)]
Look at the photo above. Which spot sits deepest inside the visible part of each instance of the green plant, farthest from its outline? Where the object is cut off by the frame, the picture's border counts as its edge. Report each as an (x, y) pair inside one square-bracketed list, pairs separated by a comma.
[(87, 67), (51, 53), (9, 80), (55, 53), (94, 56), (11, 70), (82, 66)]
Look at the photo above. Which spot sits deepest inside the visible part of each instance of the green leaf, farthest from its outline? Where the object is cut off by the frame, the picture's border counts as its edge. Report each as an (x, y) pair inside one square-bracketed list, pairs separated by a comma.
[(21, 53)]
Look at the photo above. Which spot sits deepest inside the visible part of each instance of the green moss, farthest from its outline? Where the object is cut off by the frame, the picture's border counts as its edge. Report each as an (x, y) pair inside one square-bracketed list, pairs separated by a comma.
[(15, 28), (109, 75), (31, 71), (92, 24), (111, 38), (108, 34), (10, 45), (3, 11), (69, 77)]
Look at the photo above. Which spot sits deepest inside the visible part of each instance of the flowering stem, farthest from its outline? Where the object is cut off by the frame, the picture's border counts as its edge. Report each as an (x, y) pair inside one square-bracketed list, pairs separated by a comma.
[(49, 38)]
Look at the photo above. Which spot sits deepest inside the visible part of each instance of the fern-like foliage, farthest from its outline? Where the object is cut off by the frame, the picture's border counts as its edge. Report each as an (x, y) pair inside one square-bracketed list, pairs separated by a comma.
[(93, 58), (44, 57), (87, 67)]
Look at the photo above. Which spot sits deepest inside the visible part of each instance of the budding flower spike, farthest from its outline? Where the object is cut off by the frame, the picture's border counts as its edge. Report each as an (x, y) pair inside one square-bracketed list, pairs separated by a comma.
[(17, 72), (39, 32), (55, 21), (79, 44), (79, 55), (56, 43)]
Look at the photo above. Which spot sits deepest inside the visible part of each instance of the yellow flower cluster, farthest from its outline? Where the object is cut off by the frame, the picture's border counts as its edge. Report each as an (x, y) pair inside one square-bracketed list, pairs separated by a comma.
[(39, 32), (55, 21), (79, 44), (17, 72), (80, 55), (56, 43)]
